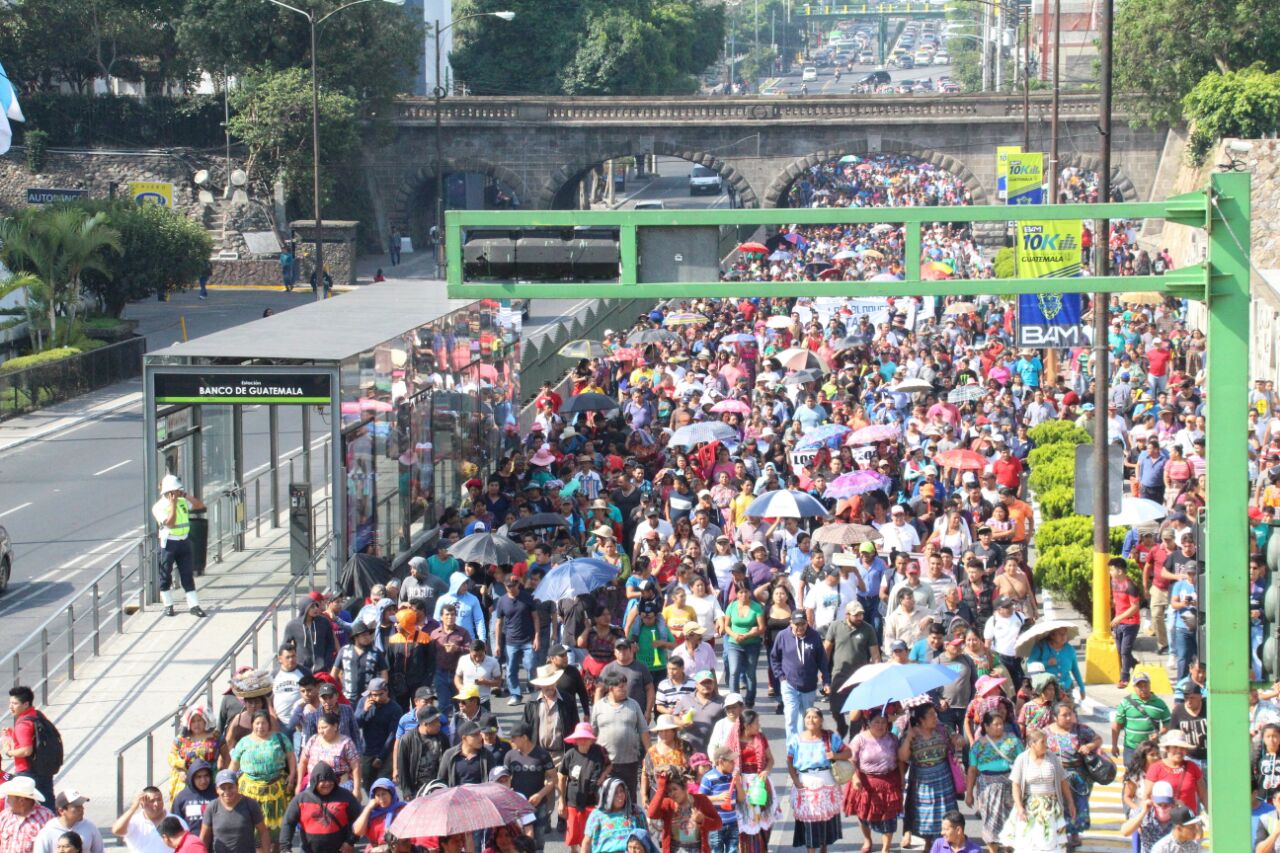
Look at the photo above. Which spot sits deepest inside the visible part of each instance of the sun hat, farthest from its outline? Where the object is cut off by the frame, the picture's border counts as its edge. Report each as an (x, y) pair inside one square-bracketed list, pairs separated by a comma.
[(987, 683), (664, 723), (21, 786), (548, 676), (583, 731), (1175, 738)]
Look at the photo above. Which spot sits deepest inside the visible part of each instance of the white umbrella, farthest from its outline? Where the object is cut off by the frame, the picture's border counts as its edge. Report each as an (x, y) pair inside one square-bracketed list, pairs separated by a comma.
[(1037, 632), (778, 321), (867, 670), (911, 386), (1136, 511)]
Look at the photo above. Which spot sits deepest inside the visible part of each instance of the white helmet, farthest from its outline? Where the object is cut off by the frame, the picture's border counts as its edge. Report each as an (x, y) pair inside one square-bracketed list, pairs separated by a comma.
[(170, 483)]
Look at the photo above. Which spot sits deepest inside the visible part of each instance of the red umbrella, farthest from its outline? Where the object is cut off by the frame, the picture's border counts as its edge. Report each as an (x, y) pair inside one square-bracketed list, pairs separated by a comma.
[(932, 273), (467, 808), (754, 249), (829, 274), (961, 459), (627, 354)]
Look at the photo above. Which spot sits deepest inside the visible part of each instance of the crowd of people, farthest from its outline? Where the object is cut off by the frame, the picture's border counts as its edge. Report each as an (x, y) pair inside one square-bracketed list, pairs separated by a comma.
[(723, 639)]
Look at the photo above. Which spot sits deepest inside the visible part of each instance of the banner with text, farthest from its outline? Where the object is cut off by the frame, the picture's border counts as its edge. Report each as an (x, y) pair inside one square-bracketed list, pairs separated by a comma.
[(1003, 153), (152, 192), (1049, 250), (1026, 178), (238, 389)]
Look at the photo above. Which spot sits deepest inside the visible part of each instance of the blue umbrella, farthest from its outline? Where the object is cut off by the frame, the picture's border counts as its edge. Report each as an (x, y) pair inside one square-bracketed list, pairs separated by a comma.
[(828, 434), (786, 504), (897, 684), (574, 578), (700, 433)]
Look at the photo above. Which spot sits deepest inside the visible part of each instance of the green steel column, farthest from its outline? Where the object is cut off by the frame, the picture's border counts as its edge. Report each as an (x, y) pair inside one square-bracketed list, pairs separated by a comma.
[(1226, 548)]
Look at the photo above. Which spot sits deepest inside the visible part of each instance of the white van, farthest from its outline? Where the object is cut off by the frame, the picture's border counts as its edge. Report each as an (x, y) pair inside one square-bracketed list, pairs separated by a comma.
[(704, 180), (809, 74)]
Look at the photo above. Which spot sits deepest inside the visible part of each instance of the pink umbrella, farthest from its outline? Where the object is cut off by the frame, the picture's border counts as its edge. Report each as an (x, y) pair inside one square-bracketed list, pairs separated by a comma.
[(467, 808), (736, 407), (856, 483), (352, 408), (873, 434), (370, 404)]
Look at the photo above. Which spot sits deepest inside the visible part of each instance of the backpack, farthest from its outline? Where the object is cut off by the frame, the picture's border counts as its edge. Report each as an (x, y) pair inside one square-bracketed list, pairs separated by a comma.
[(47, 758)]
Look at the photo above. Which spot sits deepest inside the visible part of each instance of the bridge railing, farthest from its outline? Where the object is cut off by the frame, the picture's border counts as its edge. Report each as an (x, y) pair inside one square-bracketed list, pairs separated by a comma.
[(748, 109)]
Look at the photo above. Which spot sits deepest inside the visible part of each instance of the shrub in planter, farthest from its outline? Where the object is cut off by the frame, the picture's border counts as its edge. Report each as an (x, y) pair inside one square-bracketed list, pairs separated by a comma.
[(1052, 432), (1068, 571), (1049, 452), (1056, 472), (1057, 503)]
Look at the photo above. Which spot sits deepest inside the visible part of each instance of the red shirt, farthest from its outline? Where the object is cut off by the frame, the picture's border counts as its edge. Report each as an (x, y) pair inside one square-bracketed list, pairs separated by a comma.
[(1124, 594), (24, 734), (1184, 782), (1158, 361), (190, 844), (1008, 471), (556, 401)]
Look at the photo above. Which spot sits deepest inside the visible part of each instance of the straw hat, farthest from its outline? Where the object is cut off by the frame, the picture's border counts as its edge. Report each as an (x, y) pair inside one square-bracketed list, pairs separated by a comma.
[(548, 676)]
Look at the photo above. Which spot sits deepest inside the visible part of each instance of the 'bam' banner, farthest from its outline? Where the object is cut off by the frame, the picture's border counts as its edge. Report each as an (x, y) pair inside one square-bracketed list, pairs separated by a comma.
[(1049, 250), (1026, 178), (1003, 153)]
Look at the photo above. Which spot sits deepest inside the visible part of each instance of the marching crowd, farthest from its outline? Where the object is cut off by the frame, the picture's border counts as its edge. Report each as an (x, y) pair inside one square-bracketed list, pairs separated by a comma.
[(838, 499)]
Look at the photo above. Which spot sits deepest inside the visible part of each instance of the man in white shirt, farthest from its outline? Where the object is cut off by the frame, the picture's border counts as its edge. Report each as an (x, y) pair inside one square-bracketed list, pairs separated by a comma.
[(653, 521), (1001, 635), (479, 669), (285, 694), (897, 535), (138, 826), (70, 808), (927, 601), (823, 601)]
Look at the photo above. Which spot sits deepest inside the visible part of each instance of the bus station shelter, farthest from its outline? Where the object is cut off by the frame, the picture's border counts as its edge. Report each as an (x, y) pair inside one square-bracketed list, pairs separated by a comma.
[(355, 420)]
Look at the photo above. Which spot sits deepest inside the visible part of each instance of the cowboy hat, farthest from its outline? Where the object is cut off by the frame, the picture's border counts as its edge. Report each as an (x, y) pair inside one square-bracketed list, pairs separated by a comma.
[(548, 676), (21, 786)]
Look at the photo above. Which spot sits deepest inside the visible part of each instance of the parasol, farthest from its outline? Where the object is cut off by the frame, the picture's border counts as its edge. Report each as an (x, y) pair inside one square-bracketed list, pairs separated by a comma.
[(826, 434), (782, 503), (459, 810), (1037, 632), (873, 434), (736, 407), (846, 534), (754, 248), (589, 402), (489, 549), (856, 483), (583, 349), (961, 459)]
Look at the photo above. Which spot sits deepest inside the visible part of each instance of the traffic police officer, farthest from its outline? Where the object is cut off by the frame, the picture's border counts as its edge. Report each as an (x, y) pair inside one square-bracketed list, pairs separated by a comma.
[(173, 513)]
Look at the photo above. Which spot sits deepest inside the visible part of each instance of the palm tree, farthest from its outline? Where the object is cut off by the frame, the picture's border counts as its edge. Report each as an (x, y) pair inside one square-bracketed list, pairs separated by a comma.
[(35, 295), (58, 244)]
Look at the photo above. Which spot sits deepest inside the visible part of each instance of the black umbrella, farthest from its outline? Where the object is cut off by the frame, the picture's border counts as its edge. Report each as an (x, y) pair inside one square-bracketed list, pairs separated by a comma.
[(487, 548), (589, 402), (360, 575), (538, 520), (851, 342), (652, 336)]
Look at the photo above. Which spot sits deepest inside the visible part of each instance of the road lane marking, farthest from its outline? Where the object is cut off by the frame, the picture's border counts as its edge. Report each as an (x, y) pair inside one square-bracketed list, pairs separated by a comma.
[(15, 509), (113, 467)]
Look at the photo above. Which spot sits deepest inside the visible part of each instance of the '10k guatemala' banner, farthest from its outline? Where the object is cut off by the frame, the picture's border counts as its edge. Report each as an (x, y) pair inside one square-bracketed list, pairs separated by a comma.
[(1047, 249)]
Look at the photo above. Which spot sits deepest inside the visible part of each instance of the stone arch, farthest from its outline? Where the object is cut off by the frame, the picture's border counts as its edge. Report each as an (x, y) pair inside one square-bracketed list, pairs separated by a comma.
[(414, 179), (573, 172), (1120, 182), (860, 148)]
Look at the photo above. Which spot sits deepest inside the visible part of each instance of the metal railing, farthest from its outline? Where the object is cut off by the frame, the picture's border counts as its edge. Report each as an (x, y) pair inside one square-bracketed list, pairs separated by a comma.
[(261, 498), (51, 651), (32, 388), (265, 631)]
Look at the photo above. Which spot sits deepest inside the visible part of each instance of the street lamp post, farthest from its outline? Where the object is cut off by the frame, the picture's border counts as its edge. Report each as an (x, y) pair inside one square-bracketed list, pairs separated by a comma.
[(315, 126), (439, 93)]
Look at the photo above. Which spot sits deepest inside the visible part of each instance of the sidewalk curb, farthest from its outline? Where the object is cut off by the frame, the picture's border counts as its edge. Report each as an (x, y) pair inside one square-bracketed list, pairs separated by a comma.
[(74, 420)]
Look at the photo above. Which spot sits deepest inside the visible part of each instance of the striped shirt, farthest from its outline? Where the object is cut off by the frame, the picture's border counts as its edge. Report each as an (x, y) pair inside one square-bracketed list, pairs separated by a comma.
[(669, 691), (714, 785), (1140, 718)]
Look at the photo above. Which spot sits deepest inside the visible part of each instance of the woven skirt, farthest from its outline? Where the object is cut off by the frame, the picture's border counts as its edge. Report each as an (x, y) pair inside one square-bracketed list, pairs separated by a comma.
[(274, 798)]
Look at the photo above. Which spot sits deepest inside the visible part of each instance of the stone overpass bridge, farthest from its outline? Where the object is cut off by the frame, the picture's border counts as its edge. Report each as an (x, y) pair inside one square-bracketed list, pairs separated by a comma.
[(541, 148)]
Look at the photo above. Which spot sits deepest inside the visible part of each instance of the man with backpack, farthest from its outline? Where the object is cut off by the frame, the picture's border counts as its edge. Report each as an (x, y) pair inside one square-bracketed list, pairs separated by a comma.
[(33, 743)]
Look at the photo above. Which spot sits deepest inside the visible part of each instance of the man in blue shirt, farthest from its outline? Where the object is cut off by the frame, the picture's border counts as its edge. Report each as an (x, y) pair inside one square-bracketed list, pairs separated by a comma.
[(717, 785), (1029, 367), (1151, 471), (1184, 603)]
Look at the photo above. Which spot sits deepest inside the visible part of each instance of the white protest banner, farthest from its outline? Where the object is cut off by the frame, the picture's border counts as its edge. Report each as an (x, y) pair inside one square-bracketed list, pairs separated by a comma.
[(803, 458)]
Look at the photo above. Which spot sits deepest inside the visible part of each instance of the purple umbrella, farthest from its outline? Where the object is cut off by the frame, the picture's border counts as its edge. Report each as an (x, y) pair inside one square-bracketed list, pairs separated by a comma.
[(856, 483), (873, 434)]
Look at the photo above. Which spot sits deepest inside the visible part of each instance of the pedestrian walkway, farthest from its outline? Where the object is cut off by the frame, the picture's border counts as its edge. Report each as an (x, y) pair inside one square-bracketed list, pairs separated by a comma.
[(145, 672)]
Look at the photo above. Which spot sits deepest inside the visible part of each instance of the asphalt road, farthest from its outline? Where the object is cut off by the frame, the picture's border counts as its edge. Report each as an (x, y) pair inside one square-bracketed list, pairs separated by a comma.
[(826, 84), (671, 187), (73, 502)]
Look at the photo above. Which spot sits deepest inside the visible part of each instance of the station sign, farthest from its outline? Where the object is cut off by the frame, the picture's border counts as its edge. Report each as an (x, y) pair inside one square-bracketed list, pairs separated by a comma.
[(216, 388), (52, 195)]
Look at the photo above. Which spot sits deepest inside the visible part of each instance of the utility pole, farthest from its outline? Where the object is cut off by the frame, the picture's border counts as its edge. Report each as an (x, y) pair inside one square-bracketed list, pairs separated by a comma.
[(999, 47), (1026, 81), (1100, 651), (1057, 91), (1044, 41), (986, 48)]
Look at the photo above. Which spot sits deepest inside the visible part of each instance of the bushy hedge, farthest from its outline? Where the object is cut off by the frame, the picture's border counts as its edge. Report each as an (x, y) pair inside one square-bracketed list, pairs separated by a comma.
[(1056, 472), (1057, 431), (49, 356), (1058, 502), (117, 120)]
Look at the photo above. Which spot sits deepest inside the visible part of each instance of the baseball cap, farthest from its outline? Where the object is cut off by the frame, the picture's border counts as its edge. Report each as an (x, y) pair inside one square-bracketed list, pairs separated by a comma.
[(557, 650), (427, 715), (499, 773), (799, 616), (1183, 816), (424, 692), (1162, 792), (867, 548), (377, 685), (622, 643), (898, 646), (72, 797), (1004, 601), (733, 699), (1142, 676), (467, 728), (225, 777), (704, 675), (328, 690)]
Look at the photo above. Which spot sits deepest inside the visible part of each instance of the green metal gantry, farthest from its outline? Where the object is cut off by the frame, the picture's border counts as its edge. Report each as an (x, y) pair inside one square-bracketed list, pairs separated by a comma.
[(1221, 282)]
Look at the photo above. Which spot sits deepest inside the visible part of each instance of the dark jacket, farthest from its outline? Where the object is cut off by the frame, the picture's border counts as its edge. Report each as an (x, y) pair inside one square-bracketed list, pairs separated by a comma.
[(191, 801), (325, 821), (316, 644), (799, 661), (378, 727), (568, 716), (483, 719), (571, 684), (418, 760), (447, 773)]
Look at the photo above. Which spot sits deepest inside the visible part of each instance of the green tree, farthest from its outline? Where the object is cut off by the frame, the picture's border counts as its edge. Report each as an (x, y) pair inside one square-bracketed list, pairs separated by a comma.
[(587, 47), (59, 244), (1164, 47), (272, 117), (162, 251), (1243, 104), (370, 51), (35, 297)]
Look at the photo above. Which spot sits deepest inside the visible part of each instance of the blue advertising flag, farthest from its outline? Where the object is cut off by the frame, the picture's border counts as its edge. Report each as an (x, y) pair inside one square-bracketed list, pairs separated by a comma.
[(9, 109)]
